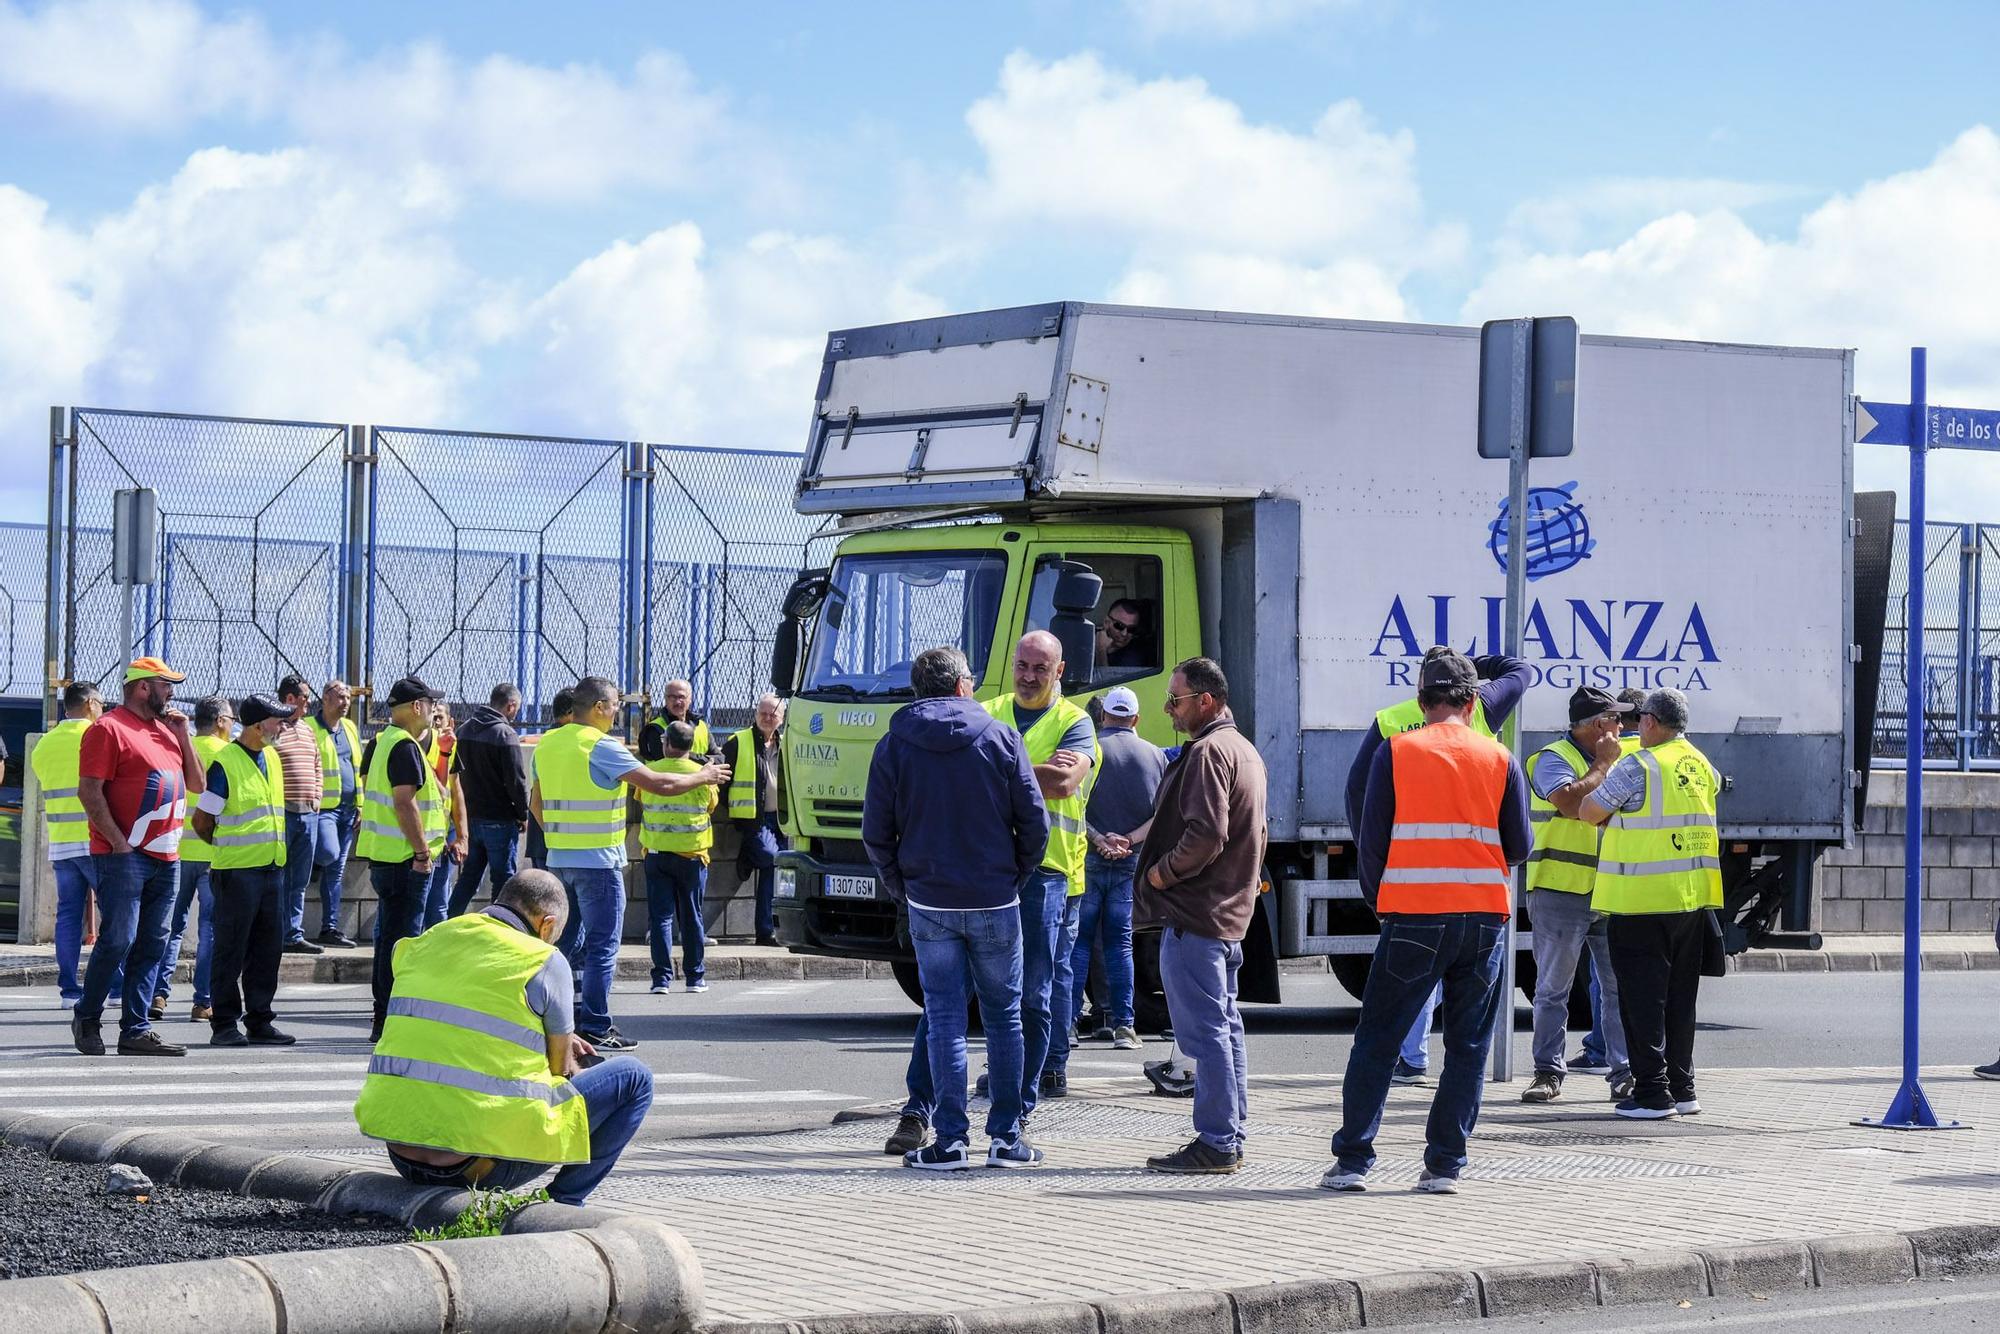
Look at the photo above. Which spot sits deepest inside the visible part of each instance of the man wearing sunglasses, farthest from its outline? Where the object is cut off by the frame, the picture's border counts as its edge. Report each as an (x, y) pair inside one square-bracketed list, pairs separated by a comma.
[(1121, 640)]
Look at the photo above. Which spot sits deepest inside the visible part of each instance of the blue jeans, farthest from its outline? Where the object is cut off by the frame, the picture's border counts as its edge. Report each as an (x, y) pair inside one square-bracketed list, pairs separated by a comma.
[(399, 914), (489, 849), (194, 886), (1199, 976), (1415, 954), (301, 854), (1594, 1052), (330, 853), (135, 894), (76, 878), (674, 886), (1106, 914), (617, 1094), (976, 952), (761, 841), (593, 936), (437, 893), (1046, 923), (1417, 1042)]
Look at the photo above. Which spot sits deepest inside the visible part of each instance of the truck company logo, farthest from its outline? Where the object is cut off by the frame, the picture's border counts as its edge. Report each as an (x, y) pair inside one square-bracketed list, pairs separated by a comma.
[(818, 724), (1611, 643), (815, 752), (857, 717), (1558, 536)]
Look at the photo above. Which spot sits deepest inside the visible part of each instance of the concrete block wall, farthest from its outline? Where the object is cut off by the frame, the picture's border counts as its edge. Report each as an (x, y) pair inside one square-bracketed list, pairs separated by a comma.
[(1861, 887)]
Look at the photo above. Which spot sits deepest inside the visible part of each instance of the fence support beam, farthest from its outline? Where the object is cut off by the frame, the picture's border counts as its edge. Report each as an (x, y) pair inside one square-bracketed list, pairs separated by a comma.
[(52, 617)]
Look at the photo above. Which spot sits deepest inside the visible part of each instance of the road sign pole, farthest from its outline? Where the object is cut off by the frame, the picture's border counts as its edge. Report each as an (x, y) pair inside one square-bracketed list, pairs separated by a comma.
[(1517, 596), (1910, 1109)]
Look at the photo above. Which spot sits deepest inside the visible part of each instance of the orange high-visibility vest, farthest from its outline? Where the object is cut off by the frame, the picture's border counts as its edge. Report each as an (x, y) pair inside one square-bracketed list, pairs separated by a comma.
[(1444, 851)]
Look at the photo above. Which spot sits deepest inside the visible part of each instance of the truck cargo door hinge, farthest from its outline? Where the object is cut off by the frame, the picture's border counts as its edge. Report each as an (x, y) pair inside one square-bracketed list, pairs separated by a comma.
[(1854, 653), (915, 468), (1020, 406), (853, 416)]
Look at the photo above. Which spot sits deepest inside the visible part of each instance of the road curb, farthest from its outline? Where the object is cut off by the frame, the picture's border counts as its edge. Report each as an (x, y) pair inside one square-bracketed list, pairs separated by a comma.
[(556, 1269), (1376, 1301), (357, 966)]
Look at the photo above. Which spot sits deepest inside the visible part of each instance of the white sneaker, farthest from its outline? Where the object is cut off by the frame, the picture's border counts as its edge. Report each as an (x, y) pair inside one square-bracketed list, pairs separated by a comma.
[(1336, 1179), (939, 1158), (661, 989), (1432, 1184), (1125, 1039), (697, 986), (1689, 1108), (1016, 1152)]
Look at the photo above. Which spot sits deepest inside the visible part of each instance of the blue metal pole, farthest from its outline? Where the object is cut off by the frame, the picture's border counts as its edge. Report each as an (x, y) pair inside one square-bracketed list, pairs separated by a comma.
[(521, 628), (1910, 1109)]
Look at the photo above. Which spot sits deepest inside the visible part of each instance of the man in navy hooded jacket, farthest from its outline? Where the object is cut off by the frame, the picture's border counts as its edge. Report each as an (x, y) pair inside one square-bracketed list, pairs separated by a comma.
[(953, 821)]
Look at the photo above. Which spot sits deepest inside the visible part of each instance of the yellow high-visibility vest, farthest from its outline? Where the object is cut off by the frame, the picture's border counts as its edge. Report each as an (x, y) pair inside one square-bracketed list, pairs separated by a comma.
[(676, 824), (1068, 844), (380, 838), (1665, 856), (58, 762), (250, 831), (1565, 855), (576, 812)]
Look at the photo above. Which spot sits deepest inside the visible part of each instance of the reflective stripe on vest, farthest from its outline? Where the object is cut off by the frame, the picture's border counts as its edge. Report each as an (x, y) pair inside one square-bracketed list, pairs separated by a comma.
[(1666, 856), (193, 848), (1565, 855), (678, 824), (58, 765), (743, 784), (576, 812), (379, 835), (1068, 845), (1409, 716), (329, 759), (250, 831), (463, 1062), (1444, 850)]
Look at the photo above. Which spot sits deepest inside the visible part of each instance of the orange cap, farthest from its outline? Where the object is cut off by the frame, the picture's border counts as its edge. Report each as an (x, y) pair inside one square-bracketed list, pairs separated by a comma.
[(142, 668)]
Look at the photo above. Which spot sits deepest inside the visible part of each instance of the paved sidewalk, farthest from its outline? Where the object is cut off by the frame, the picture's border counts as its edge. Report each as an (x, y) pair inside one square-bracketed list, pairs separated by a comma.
[(822, 1223)]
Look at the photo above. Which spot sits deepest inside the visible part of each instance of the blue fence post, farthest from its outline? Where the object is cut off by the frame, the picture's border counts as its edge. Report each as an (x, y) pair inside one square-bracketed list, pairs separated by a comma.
[(374, 546), (521, 627), (646, 572)]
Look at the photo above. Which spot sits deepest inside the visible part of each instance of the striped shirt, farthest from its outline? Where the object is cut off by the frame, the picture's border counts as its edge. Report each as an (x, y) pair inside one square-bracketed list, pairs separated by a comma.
[(305, 783)]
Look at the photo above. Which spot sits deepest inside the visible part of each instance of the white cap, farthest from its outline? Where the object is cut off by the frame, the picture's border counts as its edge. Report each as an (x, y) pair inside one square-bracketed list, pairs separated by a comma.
[(1120, 702)]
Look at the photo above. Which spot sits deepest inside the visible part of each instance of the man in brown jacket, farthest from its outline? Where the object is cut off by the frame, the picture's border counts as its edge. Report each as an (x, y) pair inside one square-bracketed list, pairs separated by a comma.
[(1198, 876)]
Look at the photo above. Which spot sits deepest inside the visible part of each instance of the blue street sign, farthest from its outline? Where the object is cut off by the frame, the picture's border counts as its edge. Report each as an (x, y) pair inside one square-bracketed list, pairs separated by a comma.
[(1950, 428)]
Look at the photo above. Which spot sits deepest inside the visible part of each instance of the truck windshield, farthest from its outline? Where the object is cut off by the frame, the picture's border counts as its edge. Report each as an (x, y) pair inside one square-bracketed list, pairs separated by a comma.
[(882, 610)]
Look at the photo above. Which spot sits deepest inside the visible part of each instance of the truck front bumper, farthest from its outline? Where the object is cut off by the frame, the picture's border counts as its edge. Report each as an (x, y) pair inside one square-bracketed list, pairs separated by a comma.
[(813, 921)]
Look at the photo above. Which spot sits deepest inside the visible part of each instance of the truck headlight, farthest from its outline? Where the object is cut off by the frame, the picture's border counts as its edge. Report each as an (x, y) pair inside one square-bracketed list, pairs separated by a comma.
[(787, 884)]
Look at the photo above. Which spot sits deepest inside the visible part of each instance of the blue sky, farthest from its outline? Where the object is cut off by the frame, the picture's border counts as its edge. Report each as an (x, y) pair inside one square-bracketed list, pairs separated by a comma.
[(640, 219)]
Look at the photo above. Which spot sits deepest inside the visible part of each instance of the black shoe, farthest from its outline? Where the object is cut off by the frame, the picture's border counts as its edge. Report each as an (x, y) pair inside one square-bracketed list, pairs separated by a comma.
[(982, 1087), (767, 940), (159, 1008), (912, 1133), (1055, 1084), (333, 940), (610, 1040), (87, 1034), (270, 1037), (1987, 1071), (149, 1043), (232, 1036), (302, 946), (1197, 1158), (1168, 1082)]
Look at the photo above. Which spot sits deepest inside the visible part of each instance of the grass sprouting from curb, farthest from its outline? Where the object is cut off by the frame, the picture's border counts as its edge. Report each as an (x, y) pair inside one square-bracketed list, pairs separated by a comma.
[(484, 1217)]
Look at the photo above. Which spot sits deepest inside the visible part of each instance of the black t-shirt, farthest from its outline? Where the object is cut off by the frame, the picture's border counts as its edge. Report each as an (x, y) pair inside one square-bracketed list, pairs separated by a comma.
[(406, 763), (653, 738)]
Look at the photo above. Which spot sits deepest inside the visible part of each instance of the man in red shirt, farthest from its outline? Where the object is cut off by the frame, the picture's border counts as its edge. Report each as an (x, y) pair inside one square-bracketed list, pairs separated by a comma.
[(138, 768)]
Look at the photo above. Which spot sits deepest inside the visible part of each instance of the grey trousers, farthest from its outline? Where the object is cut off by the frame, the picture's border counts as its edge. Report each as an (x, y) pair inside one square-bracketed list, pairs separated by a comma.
[(1564, 926)]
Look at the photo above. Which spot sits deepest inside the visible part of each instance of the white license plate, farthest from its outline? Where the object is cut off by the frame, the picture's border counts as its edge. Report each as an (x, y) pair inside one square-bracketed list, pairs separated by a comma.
[(850, 887)]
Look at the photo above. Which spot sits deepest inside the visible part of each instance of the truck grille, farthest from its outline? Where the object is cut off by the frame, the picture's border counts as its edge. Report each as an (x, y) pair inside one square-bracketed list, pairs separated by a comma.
[(837, 814)]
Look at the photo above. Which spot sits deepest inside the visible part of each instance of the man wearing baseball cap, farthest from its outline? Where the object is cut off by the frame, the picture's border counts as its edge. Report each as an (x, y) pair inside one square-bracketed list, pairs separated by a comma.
[(1562, 870), (402, 828), (1120, 806), (137, 768)]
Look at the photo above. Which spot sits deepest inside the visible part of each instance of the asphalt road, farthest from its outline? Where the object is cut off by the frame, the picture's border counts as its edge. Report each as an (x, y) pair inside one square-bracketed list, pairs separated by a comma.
[(757, 1056), (1903, 1308)]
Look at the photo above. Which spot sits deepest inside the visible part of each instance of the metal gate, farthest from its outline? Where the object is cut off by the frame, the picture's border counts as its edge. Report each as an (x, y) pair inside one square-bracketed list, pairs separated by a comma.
[(1961, 647), (722, 546), (251, 548), (497, 558)]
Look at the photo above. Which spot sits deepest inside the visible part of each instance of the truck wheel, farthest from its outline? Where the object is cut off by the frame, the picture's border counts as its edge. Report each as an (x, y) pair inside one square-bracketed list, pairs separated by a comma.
[(906, 978), (1149, 1012), (1351, 971), (1579, 990)]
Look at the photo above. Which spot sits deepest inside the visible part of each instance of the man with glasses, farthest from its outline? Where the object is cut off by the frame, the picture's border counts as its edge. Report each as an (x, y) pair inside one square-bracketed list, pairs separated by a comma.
[(1562, 870), (1121, 640)]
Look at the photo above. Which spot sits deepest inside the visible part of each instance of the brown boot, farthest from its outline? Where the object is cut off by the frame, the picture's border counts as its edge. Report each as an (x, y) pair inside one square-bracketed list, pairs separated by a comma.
[(201, 1014)]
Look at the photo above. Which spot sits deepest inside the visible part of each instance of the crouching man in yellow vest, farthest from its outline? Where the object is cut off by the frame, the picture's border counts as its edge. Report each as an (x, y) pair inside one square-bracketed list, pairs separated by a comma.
[(477, 1080), (676, 834), (1659, 871)]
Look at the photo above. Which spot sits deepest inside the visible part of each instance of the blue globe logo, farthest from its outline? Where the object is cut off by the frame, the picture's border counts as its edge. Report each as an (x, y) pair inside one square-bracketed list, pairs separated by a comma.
[(817, 725), (1558, 535)]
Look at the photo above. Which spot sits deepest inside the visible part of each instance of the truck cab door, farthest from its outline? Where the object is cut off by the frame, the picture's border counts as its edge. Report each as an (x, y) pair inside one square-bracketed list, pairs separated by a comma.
[(1135, 619)]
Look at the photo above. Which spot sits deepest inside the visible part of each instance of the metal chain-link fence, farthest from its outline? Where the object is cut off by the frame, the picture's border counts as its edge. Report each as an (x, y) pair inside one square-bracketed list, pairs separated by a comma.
[(1961, 692), (251, 544)]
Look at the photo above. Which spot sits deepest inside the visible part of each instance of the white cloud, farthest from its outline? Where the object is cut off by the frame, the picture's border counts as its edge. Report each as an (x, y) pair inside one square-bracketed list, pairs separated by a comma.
[(133, 64), (564, 133), (1353, 289), (1580, 214), (1909, 259), (1223, 18)]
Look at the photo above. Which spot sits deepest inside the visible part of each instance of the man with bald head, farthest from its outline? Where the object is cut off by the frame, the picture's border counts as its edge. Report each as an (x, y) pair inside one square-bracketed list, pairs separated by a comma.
[(1062, 747)]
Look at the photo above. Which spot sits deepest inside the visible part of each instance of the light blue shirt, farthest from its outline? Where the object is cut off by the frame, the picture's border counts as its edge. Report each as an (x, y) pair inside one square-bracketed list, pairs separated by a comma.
[(610, 761)]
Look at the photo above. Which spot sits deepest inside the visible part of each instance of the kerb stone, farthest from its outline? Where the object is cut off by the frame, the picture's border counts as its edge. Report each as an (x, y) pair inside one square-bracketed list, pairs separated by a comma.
[(1538, 1289), (1956, 1252), (1167, 1313), (1041, 1318), (365, 1290), (1417, 1296), (1666, 1276), (1863, 1259), (553, 1284), (1761, 1268), (52, 1306), (185, 1298), (1304, 1307)]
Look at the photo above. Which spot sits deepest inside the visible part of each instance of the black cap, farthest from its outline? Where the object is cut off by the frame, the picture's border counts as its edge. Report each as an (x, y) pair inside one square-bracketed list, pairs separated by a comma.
[(1446, 671), (255, 709), (1589, 701), (409, 690)]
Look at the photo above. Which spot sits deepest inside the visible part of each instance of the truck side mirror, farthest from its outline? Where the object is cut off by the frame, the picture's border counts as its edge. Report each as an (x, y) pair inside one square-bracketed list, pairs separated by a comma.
[(1078, 588), (785, 659)]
